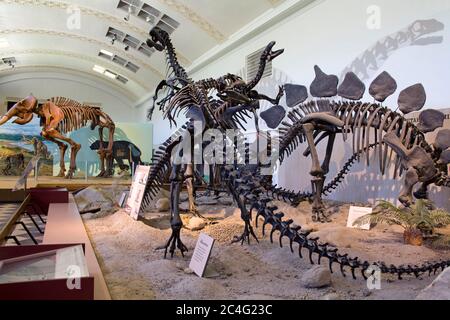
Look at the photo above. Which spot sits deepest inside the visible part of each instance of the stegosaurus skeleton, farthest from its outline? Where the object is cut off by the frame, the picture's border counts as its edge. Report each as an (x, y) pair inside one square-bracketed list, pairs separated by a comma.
[(390, 131)]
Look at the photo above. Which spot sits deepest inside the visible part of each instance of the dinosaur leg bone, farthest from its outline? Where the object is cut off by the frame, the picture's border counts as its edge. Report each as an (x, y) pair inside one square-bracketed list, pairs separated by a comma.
[(176, 180), (245, 215), (329, 152), (109, 151), (62, 152), (75, 147), (422, 192), (106, 157), (101, 153), (189, 176), (411, 179), (318, 176)]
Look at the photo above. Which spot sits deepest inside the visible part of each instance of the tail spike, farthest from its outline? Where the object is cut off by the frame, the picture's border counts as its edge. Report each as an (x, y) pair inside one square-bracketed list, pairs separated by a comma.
[(300, 250), (271, 234), (281, 240)]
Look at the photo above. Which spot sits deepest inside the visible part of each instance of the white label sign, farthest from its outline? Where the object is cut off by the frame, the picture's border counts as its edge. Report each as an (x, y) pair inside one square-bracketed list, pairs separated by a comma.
[(122, 199), (137, 191), (201, 254), (356, 212), (21, 183)]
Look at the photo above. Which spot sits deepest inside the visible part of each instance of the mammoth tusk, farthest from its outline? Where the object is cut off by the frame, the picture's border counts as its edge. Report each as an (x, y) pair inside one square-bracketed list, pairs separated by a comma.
[(3, 120)]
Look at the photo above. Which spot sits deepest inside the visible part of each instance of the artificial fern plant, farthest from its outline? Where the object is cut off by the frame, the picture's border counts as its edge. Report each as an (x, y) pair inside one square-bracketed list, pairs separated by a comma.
[(418, 220)]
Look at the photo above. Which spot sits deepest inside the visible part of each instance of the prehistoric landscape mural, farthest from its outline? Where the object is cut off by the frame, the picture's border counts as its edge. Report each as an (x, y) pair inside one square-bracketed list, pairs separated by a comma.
[(18, 144)]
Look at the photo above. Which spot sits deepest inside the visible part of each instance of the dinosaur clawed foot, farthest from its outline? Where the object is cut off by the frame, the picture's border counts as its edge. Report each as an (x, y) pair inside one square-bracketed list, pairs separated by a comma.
[(101, 174), (174, 243), (105, 174), (407, 201), (246, 235), (70, 173), (194, 211), (319, 215)]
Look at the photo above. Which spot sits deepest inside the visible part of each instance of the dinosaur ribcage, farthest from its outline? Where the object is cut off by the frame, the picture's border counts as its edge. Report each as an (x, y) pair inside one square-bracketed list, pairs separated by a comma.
[(76, 115), (367, 123), (161, 165)]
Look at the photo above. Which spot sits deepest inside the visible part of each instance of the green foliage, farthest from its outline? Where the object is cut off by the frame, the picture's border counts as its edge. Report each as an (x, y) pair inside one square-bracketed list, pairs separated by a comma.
[(441, 243), (418, 216)]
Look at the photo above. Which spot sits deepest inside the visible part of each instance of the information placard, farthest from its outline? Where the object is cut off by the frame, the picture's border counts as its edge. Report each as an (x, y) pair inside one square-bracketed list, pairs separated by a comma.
[(137, 191), (201, 254), (356, 212), (123, 198), (21, 183)]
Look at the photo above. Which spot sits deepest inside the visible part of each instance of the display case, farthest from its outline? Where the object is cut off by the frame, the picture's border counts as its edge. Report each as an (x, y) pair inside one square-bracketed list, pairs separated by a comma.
[(45, 272)]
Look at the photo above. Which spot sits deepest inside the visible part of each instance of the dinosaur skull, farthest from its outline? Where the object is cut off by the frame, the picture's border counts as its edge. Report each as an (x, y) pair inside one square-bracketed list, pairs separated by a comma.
[(23, 110), (269, 54), (157, 39)]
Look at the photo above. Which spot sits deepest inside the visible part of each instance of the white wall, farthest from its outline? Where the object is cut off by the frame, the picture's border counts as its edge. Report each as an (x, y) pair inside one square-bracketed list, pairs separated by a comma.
[(332, 34)]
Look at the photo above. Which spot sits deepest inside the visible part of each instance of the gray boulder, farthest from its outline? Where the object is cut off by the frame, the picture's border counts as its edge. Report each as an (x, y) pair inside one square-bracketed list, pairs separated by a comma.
[(316, 277), (163, 205), (439, 289)]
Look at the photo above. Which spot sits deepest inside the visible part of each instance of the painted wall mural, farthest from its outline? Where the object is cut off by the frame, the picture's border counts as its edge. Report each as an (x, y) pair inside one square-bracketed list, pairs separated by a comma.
[(18, 144), (132, 142)]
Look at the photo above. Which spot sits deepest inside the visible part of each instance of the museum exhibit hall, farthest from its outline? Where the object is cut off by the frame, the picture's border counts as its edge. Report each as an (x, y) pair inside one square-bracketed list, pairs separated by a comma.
[(248, 152)]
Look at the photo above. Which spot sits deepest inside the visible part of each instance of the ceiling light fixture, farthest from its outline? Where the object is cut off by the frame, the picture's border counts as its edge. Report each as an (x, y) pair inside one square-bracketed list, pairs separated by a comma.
[(113, 39), (105, 52), (109, 74), (99, 69), (130, 11)]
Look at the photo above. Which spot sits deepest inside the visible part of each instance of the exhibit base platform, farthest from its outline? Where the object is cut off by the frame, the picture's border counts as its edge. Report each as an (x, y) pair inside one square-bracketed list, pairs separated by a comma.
[(70, 184), (64, 227)]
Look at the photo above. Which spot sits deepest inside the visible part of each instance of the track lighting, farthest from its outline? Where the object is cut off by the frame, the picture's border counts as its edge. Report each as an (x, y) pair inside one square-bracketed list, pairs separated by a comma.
[(130, 10)]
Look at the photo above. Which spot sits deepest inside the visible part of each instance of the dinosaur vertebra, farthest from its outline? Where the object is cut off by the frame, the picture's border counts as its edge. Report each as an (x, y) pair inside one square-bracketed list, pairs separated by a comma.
[(248, 185)]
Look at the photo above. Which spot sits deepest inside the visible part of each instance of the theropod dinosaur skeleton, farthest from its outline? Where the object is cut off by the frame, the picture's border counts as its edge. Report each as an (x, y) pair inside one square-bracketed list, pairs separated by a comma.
[(176, 75), (59, 116), (235, 99), (251, 190)]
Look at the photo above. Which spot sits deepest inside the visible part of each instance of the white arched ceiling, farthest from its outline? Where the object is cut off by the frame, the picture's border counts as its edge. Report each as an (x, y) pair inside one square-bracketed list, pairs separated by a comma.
[(43, 44)]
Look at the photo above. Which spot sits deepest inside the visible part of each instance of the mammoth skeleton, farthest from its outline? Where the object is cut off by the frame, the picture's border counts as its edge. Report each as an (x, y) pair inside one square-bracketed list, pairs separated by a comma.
[(59, 116)]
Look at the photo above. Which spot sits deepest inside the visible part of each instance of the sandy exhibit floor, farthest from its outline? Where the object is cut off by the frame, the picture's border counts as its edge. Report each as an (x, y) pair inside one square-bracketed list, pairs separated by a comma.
[(134, 270)]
